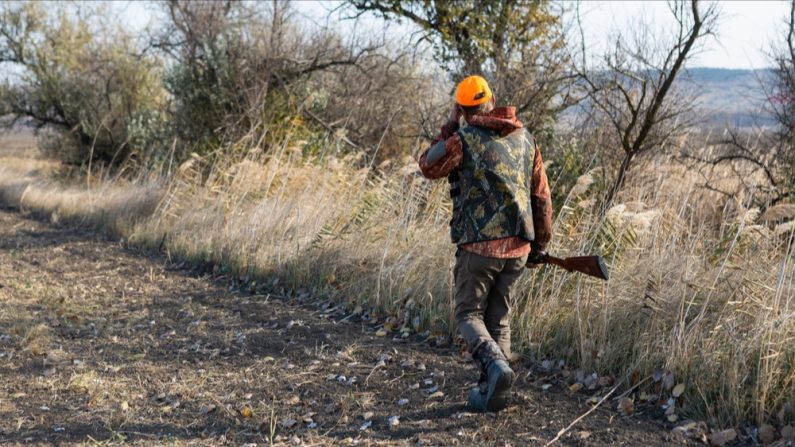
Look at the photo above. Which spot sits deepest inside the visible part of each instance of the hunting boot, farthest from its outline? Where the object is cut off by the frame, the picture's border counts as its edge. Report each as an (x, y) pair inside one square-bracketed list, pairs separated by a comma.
[(495, 380)]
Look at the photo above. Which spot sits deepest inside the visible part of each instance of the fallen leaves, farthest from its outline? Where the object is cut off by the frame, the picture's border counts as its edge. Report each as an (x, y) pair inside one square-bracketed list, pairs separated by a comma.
[(207, 409), (246, 412), (436, 395), (723, 437), (393, 421), (678, 390), (767, 434), (626, 406)]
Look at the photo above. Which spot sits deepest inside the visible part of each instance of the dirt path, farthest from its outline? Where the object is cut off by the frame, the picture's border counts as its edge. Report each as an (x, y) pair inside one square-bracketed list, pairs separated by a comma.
[(100, 344)]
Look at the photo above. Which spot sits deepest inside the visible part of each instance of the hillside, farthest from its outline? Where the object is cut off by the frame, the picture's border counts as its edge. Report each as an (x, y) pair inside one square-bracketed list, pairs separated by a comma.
[(729, 96)]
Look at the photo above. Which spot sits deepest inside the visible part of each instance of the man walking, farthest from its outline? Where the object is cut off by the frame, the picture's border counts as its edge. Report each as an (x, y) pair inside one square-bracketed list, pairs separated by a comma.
[(502, 221)]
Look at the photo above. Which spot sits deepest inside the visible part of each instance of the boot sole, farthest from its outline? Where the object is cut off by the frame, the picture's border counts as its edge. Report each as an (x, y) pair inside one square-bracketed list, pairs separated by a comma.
[(497, 399)]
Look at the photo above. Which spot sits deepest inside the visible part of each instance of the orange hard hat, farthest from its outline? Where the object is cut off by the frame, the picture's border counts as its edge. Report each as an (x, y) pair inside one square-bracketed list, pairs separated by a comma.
[(472, 91)]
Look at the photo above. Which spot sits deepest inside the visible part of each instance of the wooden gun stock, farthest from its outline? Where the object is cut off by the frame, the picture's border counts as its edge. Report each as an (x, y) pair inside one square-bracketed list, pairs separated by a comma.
[(590, 265)]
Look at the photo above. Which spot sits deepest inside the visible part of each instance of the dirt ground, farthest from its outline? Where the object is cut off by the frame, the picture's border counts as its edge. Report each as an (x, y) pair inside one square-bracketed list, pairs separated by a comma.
[(99, 344)]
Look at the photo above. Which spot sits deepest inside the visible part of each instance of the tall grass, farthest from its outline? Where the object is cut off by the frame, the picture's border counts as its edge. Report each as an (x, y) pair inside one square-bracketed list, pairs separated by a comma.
[(697, 288)]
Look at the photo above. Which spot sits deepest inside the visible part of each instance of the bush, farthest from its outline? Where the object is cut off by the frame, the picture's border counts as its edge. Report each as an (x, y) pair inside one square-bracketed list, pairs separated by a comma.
[(77, 81)]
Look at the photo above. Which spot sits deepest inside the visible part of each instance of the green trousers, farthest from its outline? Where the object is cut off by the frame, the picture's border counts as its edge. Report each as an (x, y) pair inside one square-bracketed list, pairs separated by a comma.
[(483, 289)]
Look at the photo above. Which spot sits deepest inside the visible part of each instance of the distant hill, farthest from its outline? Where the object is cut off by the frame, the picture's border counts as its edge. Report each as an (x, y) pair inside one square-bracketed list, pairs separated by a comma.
[(729, 96), (723, 97)]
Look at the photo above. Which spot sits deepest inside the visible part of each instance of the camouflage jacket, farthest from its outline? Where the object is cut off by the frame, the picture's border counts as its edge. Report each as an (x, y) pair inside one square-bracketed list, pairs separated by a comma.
[(505, 228), (490, 191)]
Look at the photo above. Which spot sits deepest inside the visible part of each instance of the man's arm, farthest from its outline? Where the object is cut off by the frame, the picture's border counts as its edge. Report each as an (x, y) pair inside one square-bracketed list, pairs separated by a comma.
[(541, 203), (444, 155)]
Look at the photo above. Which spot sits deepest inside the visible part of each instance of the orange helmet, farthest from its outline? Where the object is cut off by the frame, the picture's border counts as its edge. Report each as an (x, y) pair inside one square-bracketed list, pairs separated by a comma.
[(472, 91)]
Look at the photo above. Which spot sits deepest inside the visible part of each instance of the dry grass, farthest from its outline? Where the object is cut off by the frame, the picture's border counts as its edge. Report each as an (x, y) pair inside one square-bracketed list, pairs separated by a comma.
[(697, 287)]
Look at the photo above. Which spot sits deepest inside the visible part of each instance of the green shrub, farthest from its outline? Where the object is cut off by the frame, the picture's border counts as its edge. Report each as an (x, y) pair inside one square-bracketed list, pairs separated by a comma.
[(75, 80)]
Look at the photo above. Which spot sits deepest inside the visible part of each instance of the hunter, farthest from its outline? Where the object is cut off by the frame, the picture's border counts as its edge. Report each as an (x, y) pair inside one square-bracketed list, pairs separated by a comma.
[(502, 221)]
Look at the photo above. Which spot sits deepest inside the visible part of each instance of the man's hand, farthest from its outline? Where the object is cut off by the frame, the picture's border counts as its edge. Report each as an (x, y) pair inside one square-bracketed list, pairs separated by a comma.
[(536, 258), (455, 114)]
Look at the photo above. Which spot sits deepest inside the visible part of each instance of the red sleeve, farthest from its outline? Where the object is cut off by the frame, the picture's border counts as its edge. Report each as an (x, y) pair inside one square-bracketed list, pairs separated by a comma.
[(450, 161), (541, 201)]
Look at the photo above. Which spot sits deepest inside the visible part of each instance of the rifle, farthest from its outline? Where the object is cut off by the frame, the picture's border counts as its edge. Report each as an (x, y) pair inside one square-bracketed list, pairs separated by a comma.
[(590, 265)]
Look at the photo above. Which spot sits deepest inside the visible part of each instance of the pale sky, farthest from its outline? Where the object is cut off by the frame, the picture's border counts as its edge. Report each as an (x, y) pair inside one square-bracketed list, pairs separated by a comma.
[(745, 30)]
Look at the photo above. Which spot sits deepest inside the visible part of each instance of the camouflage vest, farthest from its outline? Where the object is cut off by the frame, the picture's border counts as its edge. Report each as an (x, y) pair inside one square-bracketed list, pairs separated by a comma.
[(491, 189)]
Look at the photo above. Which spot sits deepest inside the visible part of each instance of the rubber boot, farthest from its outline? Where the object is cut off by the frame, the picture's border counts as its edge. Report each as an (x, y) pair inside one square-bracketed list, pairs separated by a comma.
[(491, 393)]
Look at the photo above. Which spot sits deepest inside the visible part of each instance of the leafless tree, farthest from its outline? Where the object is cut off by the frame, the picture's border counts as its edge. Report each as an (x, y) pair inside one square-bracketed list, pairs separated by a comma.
[(633, 92), (763, 151), (230, 56)]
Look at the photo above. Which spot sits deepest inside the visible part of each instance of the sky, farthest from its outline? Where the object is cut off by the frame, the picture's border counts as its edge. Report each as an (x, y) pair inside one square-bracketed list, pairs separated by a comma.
[(744, 32), (745, 29)]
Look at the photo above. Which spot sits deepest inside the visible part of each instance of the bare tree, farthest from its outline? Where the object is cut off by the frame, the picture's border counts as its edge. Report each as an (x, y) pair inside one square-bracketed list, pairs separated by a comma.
[(87, 91), (230, 56), (764, 152), (633, 92)]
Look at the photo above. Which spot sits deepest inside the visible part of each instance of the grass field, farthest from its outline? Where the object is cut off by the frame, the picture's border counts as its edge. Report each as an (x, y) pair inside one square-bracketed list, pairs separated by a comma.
[(700, 300)]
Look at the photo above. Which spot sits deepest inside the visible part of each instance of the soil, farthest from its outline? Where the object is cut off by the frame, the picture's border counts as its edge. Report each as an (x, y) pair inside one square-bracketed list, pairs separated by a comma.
[(99, 343)]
